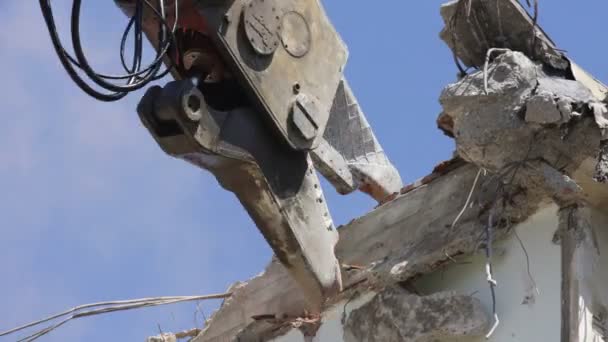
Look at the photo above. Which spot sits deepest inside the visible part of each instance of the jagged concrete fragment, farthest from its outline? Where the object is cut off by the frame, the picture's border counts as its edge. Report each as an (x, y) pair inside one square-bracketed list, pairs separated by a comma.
[(487, 127), (600, 111), (413, 234), (474, 26), (494, 130), (396, 315), (272, 292), (568, 90), (543, 109), (523, 104), (557, 100), (562, 189)]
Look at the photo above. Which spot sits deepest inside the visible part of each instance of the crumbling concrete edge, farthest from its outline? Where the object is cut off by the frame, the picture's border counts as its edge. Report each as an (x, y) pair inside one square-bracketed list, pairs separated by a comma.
[(397, 315)]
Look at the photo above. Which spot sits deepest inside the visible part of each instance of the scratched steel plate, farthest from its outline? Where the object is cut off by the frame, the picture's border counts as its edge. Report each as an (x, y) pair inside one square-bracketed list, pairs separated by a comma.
[(310, 56)]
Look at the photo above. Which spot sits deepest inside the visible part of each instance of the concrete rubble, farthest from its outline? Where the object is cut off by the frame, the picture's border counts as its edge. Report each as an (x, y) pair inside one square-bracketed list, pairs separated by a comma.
[(521, 102), (401, 316), (529, 130), (526, 117)]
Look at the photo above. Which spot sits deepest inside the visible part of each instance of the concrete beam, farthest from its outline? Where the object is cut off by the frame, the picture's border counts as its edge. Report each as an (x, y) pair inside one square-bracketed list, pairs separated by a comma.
[(413, 234), (274, 292)]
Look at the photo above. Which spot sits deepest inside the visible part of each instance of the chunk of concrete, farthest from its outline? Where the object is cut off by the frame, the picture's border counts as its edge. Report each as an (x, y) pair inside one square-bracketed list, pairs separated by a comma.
[(600, 111), (412, 235), (543, 109), (491, 129), (487, 127), (396, 315), (555, 99), (474, 26), (272, 292), (569, 90)]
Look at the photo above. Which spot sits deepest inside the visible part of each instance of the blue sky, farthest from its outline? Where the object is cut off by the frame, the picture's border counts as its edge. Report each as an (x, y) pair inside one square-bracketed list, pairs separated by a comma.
[(92, 209)]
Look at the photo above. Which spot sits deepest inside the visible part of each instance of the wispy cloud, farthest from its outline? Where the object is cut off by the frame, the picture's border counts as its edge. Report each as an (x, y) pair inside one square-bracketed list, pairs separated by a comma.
[(91, 209)]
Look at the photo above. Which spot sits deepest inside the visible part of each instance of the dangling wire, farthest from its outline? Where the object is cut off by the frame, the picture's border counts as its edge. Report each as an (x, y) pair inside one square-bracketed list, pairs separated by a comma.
[(135, 77)]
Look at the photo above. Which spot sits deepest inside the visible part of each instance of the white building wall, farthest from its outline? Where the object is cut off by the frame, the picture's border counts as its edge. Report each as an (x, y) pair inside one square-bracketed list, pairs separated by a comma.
[(599, 281), (525, 314), (592, 275)]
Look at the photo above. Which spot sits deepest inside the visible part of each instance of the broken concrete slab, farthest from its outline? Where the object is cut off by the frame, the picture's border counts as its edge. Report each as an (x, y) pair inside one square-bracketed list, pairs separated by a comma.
[(557, 101), (272, 292), (568, 90), (415, 233), (495, 132), (491, 130), (534, 109), (543, 109), (474, 26), (600, 111), (396, 315)]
